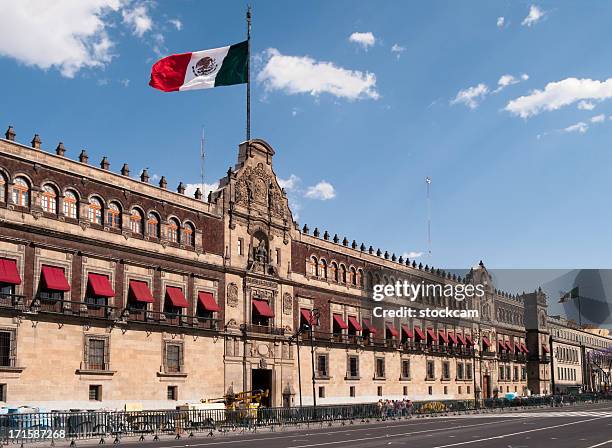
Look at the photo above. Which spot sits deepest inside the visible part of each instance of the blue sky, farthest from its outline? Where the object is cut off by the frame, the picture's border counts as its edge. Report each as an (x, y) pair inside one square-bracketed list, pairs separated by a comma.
[(510, 118)]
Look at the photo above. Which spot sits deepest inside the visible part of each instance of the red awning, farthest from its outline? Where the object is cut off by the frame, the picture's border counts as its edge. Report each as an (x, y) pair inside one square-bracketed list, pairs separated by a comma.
[(307, 315), (452, 337), (442, 334), (100, 285), (524, 348), (486, 342), (392, 330), (371, 328), (140, 291), (207, 300), (500, 345), (340, 322), (461, 339), (431, 333), (263, 308), (407, 331), (509, 346), (353, 322), (419, 332), (54, 278), (469, 339), (517, 347), (8, 272), (544, 348), (176, 296)]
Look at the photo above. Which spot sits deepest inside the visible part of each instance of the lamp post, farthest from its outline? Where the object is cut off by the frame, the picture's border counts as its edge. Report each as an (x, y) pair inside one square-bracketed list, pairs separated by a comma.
[(314, 318), (476, 345)]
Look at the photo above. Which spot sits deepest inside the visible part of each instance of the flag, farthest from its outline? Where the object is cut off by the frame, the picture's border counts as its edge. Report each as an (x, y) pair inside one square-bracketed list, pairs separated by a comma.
[(205, 69), (573, 294)]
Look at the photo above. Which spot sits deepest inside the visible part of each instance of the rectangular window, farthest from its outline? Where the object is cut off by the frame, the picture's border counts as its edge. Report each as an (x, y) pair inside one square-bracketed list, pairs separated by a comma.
[(405, 369), (501, 373), (468, 371), (3, 389), (352, 391), (240, 246), (446, 370), (459, 390), (515, 373), (278, 257), (445, 390), (431, 371), (96, 354), (380, 368), (174, 358), (508, 377), (405, 390), (172, 393), (322, 366), (353, 367), (430, 390), (379, 391), (7, 348), (95, 392), (321, 391), (523, 373), (468, 390), (460, 371)]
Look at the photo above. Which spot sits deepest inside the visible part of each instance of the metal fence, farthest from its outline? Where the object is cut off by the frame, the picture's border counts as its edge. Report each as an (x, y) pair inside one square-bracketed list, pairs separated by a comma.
[(53, 426)]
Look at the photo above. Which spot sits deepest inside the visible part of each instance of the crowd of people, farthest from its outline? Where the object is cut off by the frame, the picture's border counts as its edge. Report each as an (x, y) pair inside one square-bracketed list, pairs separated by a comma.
[(395, 408)]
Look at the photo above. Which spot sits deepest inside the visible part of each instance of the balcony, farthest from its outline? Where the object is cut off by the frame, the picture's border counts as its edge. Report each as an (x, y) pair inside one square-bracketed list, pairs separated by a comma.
[(12, 301), (263, 329), (171, 319), (44, 304)]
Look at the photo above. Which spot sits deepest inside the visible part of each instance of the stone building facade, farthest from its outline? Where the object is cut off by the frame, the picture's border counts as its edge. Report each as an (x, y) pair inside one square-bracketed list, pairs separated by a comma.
[(116, 291)]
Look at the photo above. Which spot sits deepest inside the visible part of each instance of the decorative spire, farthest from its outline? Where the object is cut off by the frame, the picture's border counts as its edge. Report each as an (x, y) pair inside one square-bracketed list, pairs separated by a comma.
[(393, 257), (83, 157), (163, 183), (336, 239), (105, 164), (36, 142), (305, 229), (386, 255), (125, 170), (326, 236), (181, 188), (345, 242), (354, 244), (362, 248), (10, 134), (198, 194), (378, 252), (370, 250), (144, 176), (316, 232), (60, 150)]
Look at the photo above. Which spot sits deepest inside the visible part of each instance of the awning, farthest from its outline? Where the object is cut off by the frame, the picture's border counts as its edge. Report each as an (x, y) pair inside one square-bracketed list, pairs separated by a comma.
[(54, 278), (431, 333), (307, 315), (407, 331), (501, 346), (469, 340), (207, 300), (262, 308), (392, 330), (100, 285), (371, 328), (141, 292), (176, 296), (419, 332), (442, 334), (524, 348), (486, 342), (517, 347), (353, 322), (461, 339), (509, 346), (452, 337), (340, 322), (545, 348), (8, 272)]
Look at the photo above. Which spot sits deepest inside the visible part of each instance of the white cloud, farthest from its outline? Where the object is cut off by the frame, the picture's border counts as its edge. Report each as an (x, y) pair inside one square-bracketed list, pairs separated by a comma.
[(190, 189), (302, 74), (586, 105), (580, 127), (598, 118), (289, 184), (124, 82), (323, 191), (138, 19), (509, 80), (500, 22), (471, 96), (177, 24), (412, 255), (398, 50), (63, 34), (535, 15), (365, 40), (559, 94)]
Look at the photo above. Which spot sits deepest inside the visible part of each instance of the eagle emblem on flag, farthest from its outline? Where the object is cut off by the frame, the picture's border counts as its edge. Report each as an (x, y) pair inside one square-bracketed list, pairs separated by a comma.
[(204, 66)]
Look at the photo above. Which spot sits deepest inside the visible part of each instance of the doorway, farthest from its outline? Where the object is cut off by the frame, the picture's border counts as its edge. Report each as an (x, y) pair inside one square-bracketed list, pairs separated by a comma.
[(262, 379), (486, 386)]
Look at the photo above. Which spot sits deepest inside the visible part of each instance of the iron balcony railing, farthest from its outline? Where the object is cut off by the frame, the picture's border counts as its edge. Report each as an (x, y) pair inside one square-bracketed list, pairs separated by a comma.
[(169, 318), (263, 329), (44, 304), (15, 301)]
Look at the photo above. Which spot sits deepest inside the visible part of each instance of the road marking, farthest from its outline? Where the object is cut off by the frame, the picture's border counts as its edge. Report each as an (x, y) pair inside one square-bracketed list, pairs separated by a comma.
[(599, 444)]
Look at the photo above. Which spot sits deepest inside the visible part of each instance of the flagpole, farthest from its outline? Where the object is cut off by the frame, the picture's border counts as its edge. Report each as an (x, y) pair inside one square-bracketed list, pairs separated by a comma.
[(248, 101)]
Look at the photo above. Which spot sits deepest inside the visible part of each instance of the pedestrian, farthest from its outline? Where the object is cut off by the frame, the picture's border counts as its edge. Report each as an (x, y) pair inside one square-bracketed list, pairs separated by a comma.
[(409, 408)]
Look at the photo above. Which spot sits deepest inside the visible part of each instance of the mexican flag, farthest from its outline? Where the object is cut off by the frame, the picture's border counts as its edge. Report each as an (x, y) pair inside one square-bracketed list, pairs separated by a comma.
[(573, 294), (205, 69)]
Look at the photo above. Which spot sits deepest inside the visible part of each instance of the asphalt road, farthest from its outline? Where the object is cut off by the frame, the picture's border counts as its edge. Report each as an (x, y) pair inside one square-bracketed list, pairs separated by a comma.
[(570, 427)]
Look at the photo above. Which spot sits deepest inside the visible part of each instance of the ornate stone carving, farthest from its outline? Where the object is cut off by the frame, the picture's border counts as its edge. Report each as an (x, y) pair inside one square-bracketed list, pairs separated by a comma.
[(287, 303), (232, 295), (258, 185)]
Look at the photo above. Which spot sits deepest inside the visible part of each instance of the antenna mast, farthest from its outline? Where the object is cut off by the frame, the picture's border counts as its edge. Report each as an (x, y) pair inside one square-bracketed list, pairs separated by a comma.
[(428, 182), (202, 162)]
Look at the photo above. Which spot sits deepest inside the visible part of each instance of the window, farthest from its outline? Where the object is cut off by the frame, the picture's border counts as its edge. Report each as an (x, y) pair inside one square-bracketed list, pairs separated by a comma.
[(430, 390), (240, 246), (508, 377), (95, 211), (431, 370), (322, 366), (353, 367), (379, 391), (113, 216), (174, 358), (459, 390), (278, 257), (468, 390), (468, 371), (173, 230), (405, 390), (446, 370), (352, 391), (189, 235), (70, 205), (7, 348), (515, 373), (323, 269), (360, 278), (501, 373), (7, 289), (460, 371), (342, 274), (380, 368), (97, 353), (314, 266), (523, 373), (172, 393), (405, 369), (21, 192), (353, 276), (95, 392), (3, 392), (136, 222), (334, 271), (49, 199), (445, 390), (153, 225), (321, 391), (2, 188)]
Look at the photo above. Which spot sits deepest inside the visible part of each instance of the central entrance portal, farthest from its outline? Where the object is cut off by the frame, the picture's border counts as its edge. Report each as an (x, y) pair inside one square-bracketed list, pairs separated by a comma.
[(262, 379)]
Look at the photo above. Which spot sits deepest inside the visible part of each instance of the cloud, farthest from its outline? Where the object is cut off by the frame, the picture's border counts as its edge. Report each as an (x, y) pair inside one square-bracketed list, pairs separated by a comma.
[(586, 105), (471, 96), (560, 94), (535, 15), (190, 189), (365, 40), (302, 74), (289, 184), (500, 22), (598, 118), (65, 35), (177, 24), (398, 50), (138, 19), (124, 82), (580, 127), (323, 191), (412, 255), (509, 80)]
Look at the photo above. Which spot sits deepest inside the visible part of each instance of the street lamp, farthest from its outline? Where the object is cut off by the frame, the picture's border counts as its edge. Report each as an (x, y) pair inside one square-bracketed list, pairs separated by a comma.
[(476, 336), (314, 319)]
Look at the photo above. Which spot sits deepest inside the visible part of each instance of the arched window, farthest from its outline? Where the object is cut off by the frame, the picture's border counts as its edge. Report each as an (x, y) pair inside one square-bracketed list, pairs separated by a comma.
[(314, 266), (189, 234), (49, 199), (342, 274), (95, 211), (70, 205), (360, 278), (334, 271), (113, 215), (370, 281), (153, 225), (21, 192), (2, 188), (173, 230), (323, 268), (136, 221), (353, 276)]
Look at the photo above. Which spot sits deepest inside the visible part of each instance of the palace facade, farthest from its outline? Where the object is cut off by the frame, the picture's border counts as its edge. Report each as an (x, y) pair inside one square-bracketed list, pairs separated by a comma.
[(115, 291)]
